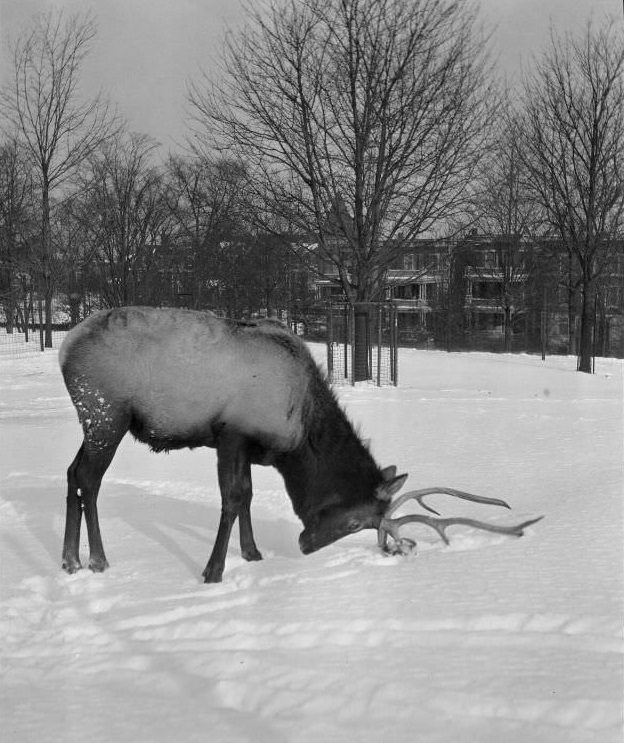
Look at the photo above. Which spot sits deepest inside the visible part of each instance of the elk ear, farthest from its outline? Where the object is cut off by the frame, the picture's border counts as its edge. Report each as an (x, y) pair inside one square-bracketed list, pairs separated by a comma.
[(390, 486), (389, 472)]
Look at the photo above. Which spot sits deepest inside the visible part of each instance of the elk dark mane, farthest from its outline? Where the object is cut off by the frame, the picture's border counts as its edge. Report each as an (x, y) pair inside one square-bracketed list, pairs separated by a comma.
[(332, 457)]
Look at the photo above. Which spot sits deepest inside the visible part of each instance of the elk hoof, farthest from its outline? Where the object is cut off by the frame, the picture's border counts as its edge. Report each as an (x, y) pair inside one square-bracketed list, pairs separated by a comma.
[(252, 555), (71, 565), (98, 565), (213, 574)]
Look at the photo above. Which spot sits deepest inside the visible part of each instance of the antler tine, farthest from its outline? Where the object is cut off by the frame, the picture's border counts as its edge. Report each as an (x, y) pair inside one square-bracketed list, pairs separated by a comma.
[(390, 527), (418, 495)]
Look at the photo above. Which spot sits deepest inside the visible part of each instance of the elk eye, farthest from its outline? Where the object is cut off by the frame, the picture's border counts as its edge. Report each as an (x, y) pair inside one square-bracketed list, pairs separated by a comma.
[(354, 525)]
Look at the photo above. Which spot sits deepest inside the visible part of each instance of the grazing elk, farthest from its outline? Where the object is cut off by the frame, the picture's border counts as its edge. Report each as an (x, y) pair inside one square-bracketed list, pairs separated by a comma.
[(177, 378)]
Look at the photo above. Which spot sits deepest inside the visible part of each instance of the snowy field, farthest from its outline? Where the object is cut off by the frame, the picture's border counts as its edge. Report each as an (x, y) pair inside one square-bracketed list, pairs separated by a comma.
[(490, 640)]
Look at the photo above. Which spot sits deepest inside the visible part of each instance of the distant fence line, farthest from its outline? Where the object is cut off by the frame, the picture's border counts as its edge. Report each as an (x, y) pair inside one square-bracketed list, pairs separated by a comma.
[(17, 344), (331, 324)]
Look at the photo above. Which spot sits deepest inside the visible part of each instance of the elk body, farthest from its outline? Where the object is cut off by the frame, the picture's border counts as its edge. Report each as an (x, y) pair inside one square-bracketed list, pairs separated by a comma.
[(176, 379)]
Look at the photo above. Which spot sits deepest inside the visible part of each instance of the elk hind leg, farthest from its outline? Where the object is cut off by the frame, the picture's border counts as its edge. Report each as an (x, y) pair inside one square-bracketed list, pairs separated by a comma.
[(73, 518), (84, 478)]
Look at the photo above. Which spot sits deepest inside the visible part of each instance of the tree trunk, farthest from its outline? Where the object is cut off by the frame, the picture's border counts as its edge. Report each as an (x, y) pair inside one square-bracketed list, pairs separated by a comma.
[(361, 370), (508, 330), (46, 270), (25, 316), (48, 315), (572, 340), (9, 311), (587, 326), (75, 299)]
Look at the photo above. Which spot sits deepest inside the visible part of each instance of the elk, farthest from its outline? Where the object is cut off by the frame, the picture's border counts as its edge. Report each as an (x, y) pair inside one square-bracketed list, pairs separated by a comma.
[(178, 378)]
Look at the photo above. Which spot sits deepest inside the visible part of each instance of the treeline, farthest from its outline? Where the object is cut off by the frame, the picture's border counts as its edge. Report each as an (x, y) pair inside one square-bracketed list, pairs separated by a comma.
[(129, 230), (361, 124)]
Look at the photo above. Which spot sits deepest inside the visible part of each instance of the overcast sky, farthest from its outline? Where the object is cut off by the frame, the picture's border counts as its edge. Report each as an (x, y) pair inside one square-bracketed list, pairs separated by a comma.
[(146, 50)]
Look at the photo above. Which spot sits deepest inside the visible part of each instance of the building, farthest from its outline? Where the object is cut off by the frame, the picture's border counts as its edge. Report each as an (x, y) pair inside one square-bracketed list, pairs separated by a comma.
[(495, 292)]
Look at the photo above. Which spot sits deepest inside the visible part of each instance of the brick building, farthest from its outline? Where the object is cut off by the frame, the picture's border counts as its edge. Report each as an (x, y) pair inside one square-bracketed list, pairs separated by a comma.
[(496, 292)]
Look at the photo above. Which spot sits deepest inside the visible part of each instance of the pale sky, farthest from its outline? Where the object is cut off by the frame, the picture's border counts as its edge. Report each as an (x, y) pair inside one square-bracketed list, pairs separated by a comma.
[(146, 50)]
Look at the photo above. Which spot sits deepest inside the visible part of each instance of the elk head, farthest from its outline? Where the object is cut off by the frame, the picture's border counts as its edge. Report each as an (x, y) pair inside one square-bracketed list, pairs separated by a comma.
[(337, 519)]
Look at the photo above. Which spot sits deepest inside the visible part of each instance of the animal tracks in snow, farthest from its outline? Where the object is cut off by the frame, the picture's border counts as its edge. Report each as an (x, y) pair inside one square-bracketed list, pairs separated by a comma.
[(195, 623)]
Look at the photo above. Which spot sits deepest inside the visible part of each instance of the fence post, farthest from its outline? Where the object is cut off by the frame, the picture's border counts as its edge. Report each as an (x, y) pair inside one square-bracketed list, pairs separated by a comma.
[(594, 333), (369, 342), (379, 321), (543, 334), (351, 310), (347, 339), (330, 341), (394, 350), (40, 312)]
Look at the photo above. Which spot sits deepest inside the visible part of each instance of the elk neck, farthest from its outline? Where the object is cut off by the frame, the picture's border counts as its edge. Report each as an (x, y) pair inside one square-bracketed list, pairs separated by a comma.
[(331, 466)]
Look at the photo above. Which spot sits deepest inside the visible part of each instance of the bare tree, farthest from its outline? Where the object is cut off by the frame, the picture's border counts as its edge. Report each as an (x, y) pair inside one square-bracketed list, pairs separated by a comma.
[(371, 110), (74, 256), (205, 199), (123, 216), (42, 104), (573, 148), (503, 203), (16, 227), (504, 207)]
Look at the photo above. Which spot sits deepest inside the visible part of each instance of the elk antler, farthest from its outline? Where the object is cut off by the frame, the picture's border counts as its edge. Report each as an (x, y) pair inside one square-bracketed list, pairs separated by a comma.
[(403, 545)]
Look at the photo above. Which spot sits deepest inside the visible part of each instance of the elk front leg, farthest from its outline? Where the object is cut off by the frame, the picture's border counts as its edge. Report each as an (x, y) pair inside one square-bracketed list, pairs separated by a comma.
[(249, 550), (234, 470)]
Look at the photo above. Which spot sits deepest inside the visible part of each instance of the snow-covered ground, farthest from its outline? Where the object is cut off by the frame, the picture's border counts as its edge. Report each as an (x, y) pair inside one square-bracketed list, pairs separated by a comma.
[(490, 640)]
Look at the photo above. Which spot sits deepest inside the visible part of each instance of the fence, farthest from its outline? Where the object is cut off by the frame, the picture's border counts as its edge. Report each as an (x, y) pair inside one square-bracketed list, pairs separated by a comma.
[(362, 344), (381, 328), (17, 345)]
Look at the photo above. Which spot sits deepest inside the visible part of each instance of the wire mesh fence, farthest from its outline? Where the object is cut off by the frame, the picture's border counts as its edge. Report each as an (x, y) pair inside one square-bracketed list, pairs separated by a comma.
[(17, 344), (362, 344)]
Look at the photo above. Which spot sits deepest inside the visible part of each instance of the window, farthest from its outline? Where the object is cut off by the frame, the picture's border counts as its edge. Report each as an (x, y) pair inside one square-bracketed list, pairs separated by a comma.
[(486, 290), (488, 322), (491, 259)]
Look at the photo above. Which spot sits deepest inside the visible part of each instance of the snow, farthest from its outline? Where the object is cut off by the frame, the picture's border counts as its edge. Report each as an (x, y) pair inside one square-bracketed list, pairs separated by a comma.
[(491, 639)]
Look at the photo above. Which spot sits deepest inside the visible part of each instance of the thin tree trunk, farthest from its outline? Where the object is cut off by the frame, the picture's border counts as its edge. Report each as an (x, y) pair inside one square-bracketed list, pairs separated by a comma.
[(587, 326), (9, 311), (508, 331), (361, 370), (46, 246)]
